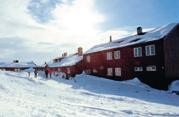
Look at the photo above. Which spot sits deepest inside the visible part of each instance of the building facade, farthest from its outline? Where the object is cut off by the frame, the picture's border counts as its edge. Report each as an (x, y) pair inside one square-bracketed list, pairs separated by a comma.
[(153, 57)]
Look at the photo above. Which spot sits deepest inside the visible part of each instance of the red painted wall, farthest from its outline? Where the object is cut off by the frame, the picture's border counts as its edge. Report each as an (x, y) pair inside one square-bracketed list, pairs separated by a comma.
[(127, 62), (75, 69)]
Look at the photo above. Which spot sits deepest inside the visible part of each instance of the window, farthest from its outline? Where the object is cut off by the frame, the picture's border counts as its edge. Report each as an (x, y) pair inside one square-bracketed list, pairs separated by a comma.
[(138, 69), (117, 71), (109, 55), (109, 71), (59, 69), (138, 52), (151, 68), (117, 54), (150, 50), (95, 71), (101, 67), (88, 59), (68, 71), (88, 71)]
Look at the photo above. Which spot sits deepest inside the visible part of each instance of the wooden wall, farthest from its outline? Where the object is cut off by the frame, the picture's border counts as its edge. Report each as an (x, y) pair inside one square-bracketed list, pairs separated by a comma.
[(127, 62), (171, 49)]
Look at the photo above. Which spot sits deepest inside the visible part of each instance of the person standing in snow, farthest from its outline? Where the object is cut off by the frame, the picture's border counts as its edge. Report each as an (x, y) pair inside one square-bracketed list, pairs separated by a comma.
[(35, 73), (50, 72), (28, 74), (46, 70)]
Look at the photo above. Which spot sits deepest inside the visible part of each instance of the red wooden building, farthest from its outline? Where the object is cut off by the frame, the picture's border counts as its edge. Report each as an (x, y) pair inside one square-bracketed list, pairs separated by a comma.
[(151, 56), (70, 65)]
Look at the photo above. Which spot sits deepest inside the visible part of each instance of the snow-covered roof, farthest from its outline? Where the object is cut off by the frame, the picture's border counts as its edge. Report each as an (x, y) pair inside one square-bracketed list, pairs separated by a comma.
[(152, 35), (2, 64), (31, 69), (67, 61), (18, 65)]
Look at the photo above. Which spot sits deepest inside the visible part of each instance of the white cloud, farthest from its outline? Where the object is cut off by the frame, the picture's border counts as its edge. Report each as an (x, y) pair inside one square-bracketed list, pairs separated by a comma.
[(75, 24)]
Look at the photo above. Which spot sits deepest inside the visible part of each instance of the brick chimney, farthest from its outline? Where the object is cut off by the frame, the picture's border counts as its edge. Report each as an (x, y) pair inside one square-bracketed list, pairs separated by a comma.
[(80, 51), (55, 60), (110, 38), (65, 54), (139, 31), (15, 61)]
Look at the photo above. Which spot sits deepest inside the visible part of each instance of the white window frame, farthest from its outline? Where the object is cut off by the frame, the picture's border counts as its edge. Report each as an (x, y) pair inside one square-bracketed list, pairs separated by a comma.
[(137, 52), (68, 71), (117, 54), (118, 71), (110, 71), (151, 68), (59, 70), (138, 69), (88, 58), (109, 55), (95, 71), (150, 50)]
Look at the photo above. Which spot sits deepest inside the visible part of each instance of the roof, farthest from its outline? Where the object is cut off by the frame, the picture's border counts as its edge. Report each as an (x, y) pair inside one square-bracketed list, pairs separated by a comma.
[(2, 64), (152, 35), (18, 65), (30, 69), (67, 61)]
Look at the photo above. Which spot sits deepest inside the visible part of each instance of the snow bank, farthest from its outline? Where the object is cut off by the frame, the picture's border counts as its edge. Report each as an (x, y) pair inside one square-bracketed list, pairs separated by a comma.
[(138, 83), (174, 87), (83, 96)]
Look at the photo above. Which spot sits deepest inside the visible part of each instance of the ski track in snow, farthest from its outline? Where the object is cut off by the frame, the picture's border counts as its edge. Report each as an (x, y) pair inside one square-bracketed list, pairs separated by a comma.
[(86, 96)]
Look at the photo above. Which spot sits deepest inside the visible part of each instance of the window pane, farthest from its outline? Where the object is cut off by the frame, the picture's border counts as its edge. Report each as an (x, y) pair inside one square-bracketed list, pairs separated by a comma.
[(68, 70), (147, 52), (138, 69), (117, 54), (151, 68), (109, 55), (109, 71), (152, 50), (88, 59), (117, 71), (138, 52)]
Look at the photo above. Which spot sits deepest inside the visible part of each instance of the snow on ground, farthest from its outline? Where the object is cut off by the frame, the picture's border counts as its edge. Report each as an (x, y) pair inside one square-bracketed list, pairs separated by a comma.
[(84, 96), (174, 87)]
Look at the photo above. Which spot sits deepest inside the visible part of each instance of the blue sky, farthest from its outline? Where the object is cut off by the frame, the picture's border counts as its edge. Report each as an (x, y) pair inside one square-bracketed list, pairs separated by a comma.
[(40, 30), (119, 13), (148, 13)]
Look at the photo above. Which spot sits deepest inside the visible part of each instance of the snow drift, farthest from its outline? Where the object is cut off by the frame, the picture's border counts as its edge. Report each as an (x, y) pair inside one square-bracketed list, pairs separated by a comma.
[(83, 96)]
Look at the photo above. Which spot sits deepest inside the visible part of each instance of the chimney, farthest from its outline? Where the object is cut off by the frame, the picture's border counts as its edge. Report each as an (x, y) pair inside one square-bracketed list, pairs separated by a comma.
[(110, 38), (15, 61), (65, 54), (139, 31), (80, 51), (55, 60)]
